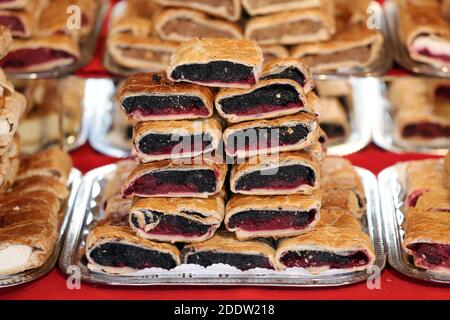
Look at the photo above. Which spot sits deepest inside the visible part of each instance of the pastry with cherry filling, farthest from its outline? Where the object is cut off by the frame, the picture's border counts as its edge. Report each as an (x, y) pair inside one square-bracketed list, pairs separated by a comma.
[(263, 7), (336, 243), (177, 219), (334, 120), (276, 217), (198, 178), (224, 248), (151, 96), (21, 23), (278, 174), (159, 140), (288, 133), (226, 63), (427, 239), (228, 9)]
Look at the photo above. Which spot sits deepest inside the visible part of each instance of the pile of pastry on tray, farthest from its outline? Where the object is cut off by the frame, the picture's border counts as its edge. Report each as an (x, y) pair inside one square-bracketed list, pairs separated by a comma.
[(47, 34), (326, 34), (288, 206), (32, 188)]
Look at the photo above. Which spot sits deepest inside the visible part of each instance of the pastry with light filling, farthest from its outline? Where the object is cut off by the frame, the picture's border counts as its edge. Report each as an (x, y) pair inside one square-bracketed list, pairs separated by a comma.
[(5, 41), (274, 52), (223, 248), (225, 63), (263, 7), (14, 4), (334, 120), (151, 96), (181, 25), (133, 17), (12, 107), (228, 9)]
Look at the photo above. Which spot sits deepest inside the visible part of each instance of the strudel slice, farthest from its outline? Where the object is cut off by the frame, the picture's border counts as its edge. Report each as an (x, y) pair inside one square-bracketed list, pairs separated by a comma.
[(14, 4), (223, 248), (334, 120), (263, 7), (217, 63), (270, 136), (118, 250), (199, 178), (274, 52), (427, 239), (337, 242), (5, 41), (276, 217), (228, 9), (159, 140), (152, 96), (292, 27), (12, 107), (181, 25), (425, 31), (177, 219), (284, 173), (133, 17), (22, 23)]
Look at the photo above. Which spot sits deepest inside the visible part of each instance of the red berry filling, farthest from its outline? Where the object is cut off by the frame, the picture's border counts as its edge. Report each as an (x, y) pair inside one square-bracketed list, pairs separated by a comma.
[(413, 197), (426, 130), (428, 53), (431, 255), (24, 58), (12, 23)]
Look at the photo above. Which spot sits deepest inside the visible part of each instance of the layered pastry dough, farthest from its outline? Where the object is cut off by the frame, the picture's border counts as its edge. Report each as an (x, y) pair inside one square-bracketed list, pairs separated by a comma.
[(289, 133), (177, 220), (263, 7), (271, 216), (153, 97), (284, 173), (217, 63), (159, 140), (297, 26), (424, 31), (274, 52), (118, 250), (181, 25), (5, 41), (199, 178), (223, 248), (228, 9), (334, 120), (336, 199), (336, 243)]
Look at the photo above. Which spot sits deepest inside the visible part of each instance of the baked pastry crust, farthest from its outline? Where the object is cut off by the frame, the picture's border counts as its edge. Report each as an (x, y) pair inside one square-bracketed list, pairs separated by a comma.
[(14, 4), (5, 41), (133, 17), (231, 10), (257, 7), (12, 107), (447, 168), (277, 66), (335, 199), (214, 28), (332, 113), (26, 19), (274, 52)]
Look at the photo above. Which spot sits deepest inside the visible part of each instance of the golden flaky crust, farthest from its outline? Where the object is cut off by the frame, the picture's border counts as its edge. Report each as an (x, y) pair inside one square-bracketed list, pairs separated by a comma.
[(337, 232), (15, 4), (258, 7), (123, 235), (204, 51), (181, 25), (209, 211), (241, 203), (274, 162), (133, 17), (277, 66), (24, 18), (157, 84), (51, 184), (228, 9), (306, 119), (5, 41), (335, 199), (184, 165), (180, 128), (234, 92), (274, 52)]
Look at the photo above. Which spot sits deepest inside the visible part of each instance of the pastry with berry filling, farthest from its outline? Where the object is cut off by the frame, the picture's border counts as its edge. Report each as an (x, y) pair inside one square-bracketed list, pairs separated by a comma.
[(263, 7), (228, 9), (118, 250), (151, 96), (226, 63), (276, 217), (181, 25), (223, 248), (198, 178), (336, 243), (21, 23), (289, 133), (278, 174), (159, 140), (427, 239), (177, 219)]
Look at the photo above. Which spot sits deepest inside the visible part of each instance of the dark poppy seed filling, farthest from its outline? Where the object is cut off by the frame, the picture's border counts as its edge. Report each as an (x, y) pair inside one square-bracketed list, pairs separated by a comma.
[(442, 92), (157, 144), (156, 105), (171, 224), (23, 58), (266, 99), (333, 130), (215, 71), (289, 73), (432, 255), (121, 255), (309, 259), (255, 220), (240, 261), (286, 177), (426, 130), (266, 137), (12, 23), (429, 54), (173, 181)]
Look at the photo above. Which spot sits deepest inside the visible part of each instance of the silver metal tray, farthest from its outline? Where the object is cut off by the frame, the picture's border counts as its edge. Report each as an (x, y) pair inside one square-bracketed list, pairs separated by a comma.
[(383, 124), (400, 52), (392, 194), (33, 274), (87, 51), (88, 210)]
